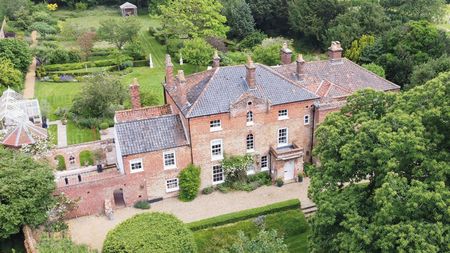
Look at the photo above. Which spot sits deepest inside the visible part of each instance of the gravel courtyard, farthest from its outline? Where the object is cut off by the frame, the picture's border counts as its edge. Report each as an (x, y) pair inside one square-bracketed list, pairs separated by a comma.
[(92, 230)]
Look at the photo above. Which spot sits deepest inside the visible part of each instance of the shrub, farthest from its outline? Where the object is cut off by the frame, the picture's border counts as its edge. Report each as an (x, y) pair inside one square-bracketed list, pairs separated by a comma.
[(208, 190), (142, 204), (244, 215), (80, 6), (61, 163), (150, 232), (253, 40), (300, 177), (86, 158), (197, 52), (263, 178), (374, 68), (224, 188), (279, 182), (189, 183), (50, 245), (104, 125)]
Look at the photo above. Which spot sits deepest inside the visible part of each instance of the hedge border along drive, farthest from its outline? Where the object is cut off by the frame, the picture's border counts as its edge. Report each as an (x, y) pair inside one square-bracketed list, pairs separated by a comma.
[(244, 215)]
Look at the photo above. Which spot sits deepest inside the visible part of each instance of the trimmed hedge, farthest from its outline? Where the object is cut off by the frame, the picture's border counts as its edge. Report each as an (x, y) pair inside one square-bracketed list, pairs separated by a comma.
[(189, 183), (80, 65), (150, 232), (244, 215)]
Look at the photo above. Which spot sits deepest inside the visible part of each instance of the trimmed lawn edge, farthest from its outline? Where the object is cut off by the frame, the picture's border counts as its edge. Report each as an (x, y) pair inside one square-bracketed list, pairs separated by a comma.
[(244, 215)]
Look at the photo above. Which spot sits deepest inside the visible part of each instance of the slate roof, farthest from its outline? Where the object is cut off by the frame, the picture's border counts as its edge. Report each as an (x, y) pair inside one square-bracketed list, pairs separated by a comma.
[(213, 91), (150, 134), (344, 77)]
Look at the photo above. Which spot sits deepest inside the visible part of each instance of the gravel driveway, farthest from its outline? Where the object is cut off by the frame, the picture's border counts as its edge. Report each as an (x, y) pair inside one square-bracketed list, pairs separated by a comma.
[(92, 230)]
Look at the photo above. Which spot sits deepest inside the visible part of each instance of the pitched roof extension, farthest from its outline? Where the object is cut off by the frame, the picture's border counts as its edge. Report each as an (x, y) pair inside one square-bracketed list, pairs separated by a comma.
[(213, 91), (341, 77), (152, 134)]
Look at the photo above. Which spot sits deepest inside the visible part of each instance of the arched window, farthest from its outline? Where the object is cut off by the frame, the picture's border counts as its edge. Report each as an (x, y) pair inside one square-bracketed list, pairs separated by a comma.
[(250, 142), (249, 117)]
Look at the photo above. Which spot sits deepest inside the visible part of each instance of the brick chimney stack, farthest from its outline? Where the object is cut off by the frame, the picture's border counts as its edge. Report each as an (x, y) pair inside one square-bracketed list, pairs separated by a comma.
[(216, 60), (181, 87), (286, 54), (300, 65), (169, 72), (251, 73), (335, 51), (135, 94)]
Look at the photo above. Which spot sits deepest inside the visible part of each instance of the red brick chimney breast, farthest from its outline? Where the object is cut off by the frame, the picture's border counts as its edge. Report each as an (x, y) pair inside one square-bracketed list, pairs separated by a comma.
[(300, 65), (335, 51), (251, 73), (169, 72), (216, 60), (135, 94), (286, 54), (182, 87)]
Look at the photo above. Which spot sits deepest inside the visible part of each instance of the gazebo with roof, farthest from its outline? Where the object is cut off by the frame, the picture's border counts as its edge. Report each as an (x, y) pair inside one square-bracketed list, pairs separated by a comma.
[(128, 9)]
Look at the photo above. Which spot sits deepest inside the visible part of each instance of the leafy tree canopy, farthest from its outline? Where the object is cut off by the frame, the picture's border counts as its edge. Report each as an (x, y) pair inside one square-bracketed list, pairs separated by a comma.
[(191, 19), (26, 188), (372, 67), (17, 51), (197, 52), (150, 232), (239, 18), (414, 9), (429, 70), (271, 16), (119, 31), (399, 144)]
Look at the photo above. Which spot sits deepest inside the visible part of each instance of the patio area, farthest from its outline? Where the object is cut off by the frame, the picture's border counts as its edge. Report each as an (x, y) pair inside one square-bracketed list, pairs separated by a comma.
[(92, 230)]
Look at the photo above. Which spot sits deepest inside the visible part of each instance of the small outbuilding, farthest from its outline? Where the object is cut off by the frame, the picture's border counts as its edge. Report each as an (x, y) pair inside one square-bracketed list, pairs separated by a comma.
[(128, 9)]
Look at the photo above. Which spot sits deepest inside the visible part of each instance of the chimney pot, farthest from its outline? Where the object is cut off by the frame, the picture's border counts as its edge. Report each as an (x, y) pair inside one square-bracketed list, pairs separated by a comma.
[(251, 73), (285, 54), (181, 87), (169, 72), (135, 94), (216, 60), (335, 51), (300, 65)]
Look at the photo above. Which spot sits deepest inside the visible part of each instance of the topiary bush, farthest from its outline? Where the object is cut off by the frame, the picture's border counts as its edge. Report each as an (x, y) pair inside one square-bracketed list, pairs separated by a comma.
[(189, 183), (142, 204), (279, 182), (150, 232), (104, 125), (86, 158), (208, 190)]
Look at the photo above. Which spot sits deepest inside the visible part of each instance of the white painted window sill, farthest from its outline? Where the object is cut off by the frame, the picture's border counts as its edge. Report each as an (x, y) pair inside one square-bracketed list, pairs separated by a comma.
[(283, 118), (218, 182), (216, 158), (173, 190), (170, 167), (250, 123), (265, 169), (136, 171), (250, 150), (215, 129)]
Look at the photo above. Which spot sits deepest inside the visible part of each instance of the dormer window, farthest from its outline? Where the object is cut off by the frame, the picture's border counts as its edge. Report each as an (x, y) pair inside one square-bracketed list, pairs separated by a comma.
[(215, 125), (283, 114), (249, 118)]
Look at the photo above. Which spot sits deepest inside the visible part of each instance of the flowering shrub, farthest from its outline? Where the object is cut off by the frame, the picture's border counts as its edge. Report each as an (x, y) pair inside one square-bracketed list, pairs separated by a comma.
[(52, 7)]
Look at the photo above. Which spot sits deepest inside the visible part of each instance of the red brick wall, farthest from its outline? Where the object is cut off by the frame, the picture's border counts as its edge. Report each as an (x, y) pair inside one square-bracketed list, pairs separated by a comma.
[(154, 174), (234, 132)]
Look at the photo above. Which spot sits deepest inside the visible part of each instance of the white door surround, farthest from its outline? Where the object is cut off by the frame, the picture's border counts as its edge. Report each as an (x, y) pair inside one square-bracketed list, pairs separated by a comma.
[(289, 170)]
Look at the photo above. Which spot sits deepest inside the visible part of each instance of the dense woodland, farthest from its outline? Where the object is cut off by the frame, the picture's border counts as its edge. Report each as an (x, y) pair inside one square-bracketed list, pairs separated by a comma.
[(382, 184)]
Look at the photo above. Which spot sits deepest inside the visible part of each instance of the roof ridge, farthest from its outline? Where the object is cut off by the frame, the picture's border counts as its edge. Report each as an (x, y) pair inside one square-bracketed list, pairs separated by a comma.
[(139, 120), (203, 92), (286, 79)]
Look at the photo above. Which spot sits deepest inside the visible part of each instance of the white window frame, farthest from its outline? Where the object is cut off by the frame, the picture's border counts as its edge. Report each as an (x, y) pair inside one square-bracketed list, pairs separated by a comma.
[(250, 116), (213, 143), (177, 188), (212, 175), (252, 149), (138, 160), (215, 128), (282, 144), (170, 166), (252, 170), (306, 119), (265, 168), (282, 116)]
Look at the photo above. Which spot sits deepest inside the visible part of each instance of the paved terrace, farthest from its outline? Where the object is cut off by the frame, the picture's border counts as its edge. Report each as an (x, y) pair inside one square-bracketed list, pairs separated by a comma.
[(92, 230)]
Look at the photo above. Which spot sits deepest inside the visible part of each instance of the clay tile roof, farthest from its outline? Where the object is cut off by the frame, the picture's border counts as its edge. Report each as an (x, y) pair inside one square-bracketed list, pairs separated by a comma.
[(345, 77), (142, 113), (213, 91), (147, 135)]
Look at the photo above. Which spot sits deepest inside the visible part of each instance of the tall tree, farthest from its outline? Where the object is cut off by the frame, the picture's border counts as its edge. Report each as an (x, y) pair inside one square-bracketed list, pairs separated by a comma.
[(86, 43), (239, 18), (194, 18), (312, 18), (429, 70), (25, 192), (406, 10), (399, 143), (119, 31), (271, 16)]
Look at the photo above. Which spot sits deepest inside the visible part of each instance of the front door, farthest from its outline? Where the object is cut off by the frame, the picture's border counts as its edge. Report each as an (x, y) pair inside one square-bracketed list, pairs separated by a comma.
[(289, 170)]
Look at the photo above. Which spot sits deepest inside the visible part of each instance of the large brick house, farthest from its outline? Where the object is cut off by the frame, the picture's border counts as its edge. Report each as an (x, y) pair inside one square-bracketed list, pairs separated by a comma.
[(267, 112)]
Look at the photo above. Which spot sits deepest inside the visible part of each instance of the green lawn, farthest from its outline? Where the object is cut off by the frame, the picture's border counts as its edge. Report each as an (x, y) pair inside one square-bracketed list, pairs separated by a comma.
[(58, 95), (290, 224)]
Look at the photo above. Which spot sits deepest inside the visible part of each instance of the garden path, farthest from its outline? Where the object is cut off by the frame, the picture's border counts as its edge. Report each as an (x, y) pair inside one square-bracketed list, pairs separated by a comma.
[(30, 78), (62, 133), (92, 230)]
